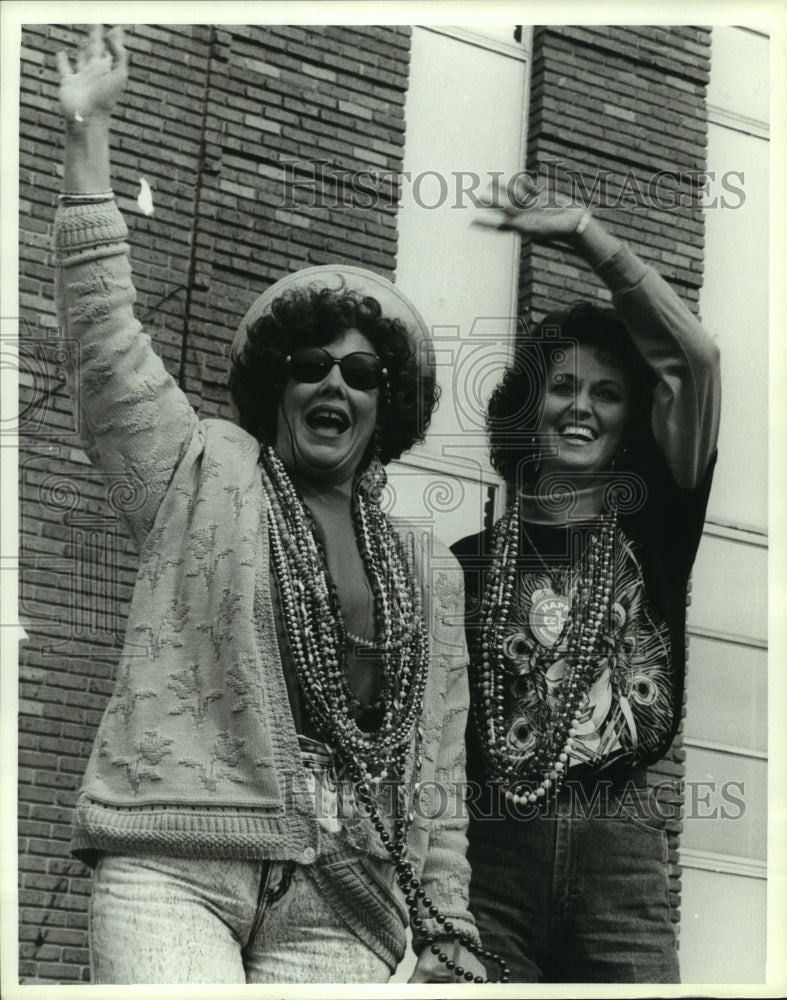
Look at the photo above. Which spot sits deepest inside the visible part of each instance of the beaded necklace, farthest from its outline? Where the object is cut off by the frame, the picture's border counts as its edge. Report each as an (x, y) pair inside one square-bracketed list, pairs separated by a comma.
[(528, 779), (316, 630), (318, 638)]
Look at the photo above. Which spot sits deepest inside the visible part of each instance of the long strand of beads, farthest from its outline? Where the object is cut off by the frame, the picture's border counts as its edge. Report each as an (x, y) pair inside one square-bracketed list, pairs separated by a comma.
[(315, 627), (530, 779), (313, 617), (313, 622), (418, 902)]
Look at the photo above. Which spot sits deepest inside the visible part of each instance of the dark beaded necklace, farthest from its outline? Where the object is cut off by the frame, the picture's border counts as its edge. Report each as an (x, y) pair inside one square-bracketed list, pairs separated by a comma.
[(317, 635), (529, 779)]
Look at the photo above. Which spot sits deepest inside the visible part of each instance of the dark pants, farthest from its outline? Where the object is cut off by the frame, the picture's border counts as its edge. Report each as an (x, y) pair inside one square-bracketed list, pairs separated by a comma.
[(579, 892)]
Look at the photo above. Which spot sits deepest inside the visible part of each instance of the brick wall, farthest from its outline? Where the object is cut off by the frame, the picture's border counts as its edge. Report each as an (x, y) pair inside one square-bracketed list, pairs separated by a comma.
[(611, 108), (208, 117)]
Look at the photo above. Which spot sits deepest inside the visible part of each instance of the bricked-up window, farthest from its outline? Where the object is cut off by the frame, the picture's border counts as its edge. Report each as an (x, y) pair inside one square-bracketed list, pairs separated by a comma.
[(464, 279), (244, 135)]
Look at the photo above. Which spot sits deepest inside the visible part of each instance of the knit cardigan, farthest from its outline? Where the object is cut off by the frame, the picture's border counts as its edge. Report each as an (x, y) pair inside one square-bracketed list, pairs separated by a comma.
[(197, 753)]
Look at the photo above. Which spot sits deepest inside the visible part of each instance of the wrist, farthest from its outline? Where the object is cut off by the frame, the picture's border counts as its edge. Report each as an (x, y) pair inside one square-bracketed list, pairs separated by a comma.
[(584, 221), (592, 241), (87, 129), (85, 197), (86, 164)]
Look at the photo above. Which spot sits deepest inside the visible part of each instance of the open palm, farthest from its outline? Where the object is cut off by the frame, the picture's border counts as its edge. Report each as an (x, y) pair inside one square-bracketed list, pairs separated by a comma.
[(527, 210), (101, 73)]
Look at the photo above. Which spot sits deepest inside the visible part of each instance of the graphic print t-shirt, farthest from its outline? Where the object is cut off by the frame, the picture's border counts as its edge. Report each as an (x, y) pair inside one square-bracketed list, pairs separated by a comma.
[(627, 709), (632, 707)]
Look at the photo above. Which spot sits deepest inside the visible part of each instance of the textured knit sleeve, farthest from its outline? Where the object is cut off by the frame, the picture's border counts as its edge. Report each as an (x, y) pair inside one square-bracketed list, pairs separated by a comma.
[(133, 420), (684, 358), (446, 873)]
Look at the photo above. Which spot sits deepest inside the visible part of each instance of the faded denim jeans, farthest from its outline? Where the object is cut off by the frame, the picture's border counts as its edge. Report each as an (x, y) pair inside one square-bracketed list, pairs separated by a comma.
[(171, 920), (577, 894), (160, 920)]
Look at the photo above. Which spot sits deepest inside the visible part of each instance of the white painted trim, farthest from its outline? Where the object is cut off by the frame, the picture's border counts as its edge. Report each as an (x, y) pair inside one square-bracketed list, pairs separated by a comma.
[(510, 50), (722, 864), (725, 748), (744, 533), (738, 640), (755, 127)]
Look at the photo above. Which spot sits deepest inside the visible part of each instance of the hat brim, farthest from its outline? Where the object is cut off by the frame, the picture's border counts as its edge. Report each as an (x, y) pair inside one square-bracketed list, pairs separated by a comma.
[(393, 303)]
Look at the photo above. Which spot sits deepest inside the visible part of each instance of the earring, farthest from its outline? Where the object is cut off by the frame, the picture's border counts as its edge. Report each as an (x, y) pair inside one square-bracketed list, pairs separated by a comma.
[(618, 456), (373, 479), (535, 453)]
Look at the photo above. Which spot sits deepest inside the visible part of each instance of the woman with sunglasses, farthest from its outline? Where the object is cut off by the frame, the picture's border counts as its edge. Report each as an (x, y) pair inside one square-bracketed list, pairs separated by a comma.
[(287, 677), (604, 427)]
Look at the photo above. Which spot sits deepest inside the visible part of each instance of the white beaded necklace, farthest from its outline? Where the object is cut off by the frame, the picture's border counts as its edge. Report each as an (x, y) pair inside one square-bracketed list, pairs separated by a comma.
[(318, 638)]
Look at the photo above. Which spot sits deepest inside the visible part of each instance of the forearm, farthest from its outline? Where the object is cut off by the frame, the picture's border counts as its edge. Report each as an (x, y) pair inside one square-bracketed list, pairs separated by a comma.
[(446, 873), (446, 880), (134, 420), (675, 346), (86, 165)]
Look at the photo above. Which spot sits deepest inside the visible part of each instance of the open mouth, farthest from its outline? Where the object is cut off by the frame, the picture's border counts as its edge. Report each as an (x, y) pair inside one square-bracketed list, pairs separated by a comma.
[(328, 420), (578, 433)]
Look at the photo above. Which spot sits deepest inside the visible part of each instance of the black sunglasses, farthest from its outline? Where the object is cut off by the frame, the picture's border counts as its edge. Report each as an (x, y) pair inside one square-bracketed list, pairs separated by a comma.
[(360, 370)]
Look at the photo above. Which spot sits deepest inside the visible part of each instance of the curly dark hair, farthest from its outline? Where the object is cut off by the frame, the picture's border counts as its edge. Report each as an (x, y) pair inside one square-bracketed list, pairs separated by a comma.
[(515, 406), (314, 317)]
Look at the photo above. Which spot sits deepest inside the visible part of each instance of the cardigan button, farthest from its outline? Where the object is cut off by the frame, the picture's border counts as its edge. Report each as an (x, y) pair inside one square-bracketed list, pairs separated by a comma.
[(309, 855)]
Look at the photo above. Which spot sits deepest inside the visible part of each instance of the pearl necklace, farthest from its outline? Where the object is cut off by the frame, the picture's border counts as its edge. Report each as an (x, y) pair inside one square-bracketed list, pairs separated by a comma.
[(315, 627), (318, 638), (529, 779)]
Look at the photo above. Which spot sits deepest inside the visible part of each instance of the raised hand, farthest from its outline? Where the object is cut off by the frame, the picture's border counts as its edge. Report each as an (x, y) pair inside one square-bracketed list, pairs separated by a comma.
[(91, 92), (524, 209)]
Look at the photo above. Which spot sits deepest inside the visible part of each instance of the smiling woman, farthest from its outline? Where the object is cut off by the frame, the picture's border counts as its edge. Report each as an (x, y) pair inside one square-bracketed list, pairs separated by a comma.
[(326, 427), (585, 412), (322, 307), (288, 677), (593, 393), (605, 428)]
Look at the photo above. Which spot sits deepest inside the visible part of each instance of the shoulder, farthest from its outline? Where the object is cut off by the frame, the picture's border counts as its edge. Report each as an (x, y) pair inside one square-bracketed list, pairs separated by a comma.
[(227, 456), (471, 547), (224, 438)]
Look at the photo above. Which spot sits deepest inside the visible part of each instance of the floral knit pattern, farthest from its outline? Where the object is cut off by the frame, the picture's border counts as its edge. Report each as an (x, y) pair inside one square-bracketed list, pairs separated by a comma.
[(197, 753)]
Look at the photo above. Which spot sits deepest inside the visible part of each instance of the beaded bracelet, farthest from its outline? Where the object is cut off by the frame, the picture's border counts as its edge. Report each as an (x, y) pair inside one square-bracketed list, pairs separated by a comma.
[(85, 198)]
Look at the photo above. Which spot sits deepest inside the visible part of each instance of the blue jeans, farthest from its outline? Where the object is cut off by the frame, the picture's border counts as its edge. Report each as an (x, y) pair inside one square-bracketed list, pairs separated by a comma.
[(155, 919), (170, 920), (578, 893)]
